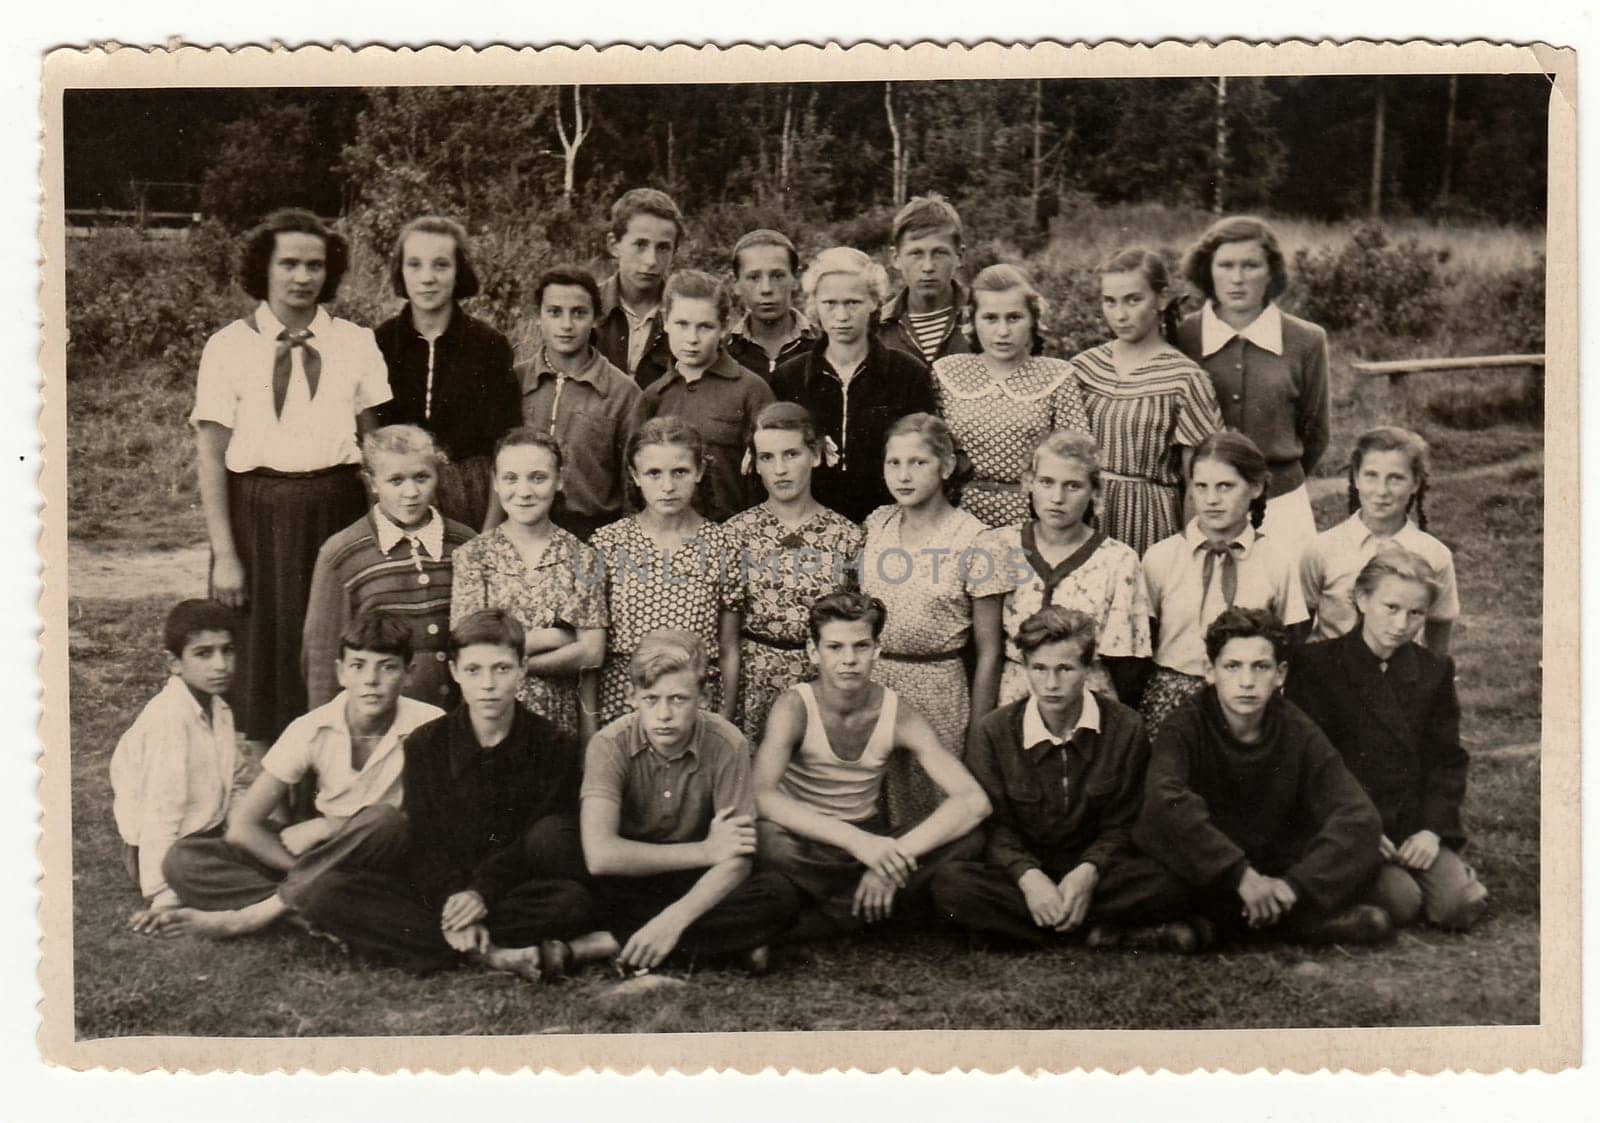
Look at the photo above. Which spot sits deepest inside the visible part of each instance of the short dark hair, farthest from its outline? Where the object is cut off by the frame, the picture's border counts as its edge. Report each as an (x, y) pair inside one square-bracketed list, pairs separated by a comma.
[(696, 284), (1055, 624), (189, 618), (645, 200), (260, 243), (1235, 228), (924, 215), (575, 275), (467, 283), (766, 237), (377, 630), (1247, 623), (489, 625), (849, 607)]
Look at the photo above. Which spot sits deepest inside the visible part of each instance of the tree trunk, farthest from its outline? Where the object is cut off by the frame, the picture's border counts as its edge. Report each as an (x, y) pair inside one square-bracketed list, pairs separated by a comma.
[(1036, 182), (1449, 141), (1219, 198), (897, 187), (786, 140), (571, 144), (1375, 196)]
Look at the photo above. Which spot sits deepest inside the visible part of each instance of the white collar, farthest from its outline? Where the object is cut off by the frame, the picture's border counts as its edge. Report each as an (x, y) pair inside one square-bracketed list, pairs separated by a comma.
[(182, 696), (1361, 534), (1035, 731), (271, 326), (429, 537), (1246, 538), (1265, 331)]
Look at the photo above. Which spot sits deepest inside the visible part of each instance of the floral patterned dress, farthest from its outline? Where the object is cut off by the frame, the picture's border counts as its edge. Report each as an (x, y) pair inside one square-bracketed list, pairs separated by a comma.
[(649, 588), (1102, 578), (997, 425), (928, 591), (564, 589), (782, 571), (1141, 419)]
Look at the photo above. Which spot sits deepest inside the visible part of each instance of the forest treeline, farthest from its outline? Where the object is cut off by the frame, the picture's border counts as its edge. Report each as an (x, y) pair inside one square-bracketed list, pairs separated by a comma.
[(1010, 154)]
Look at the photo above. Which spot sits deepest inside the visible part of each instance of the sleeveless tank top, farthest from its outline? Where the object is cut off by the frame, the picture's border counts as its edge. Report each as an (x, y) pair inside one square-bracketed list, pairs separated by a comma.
[(820, 778)]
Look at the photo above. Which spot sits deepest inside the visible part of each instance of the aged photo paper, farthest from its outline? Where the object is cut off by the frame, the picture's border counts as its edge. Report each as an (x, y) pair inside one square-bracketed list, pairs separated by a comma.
[(91, 1021)]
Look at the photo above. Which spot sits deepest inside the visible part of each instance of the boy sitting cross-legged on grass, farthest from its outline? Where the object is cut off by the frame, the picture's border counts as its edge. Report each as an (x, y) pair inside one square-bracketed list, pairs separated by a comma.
[(1248, 803), (177, 769), (254, 875), (668, 821), (495, 871), (1064, 769), (820, 771)]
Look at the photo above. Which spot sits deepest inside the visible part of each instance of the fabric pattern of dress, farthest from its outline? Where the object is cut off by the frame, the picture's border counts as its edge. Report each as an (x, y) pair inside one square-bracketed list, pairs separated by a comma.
[(782, 572), (647, 589), (563, 589), (997, 425), (929, 598), (1140, 419), (1106, 584)]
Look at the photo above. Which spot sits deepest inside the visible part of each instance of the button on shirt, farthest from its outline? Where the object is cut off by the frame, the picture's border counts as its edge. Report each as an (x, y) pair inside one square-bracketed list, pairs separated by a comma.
[(429, 537), (588, 413), (670, 799), (173, 773), (320, 742), (1330, 564), (234, 389), (1267, 576), (753, 356)]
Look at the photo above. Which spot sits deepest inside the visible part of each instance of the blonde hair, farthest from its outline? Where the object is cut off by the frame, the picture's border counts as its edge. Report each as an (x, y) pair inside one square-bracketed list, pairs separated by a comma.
[(1392, 560), (849, 262), (1002, 277), (667, 651), (400, 440)]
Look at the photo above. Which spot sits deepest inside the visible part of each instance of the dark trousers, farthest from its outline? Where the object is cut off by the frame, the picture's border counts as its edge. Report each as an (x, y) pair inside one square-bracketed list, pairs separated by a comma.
[(982, 897), (828, 876), (209, 872), (759, 910), (384, 914)]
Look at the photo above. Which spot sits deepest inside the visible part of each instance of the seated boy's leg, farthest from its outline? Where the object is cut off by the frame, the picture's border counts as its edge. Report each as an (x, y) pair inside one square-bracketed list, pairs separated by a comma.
[(542, 909), (755, 914), (981, 897), (375, 839), (210, 873), (825, 874), (1396, 892), (553, 849), (1452, 895), (377, 915), (1136, 890)]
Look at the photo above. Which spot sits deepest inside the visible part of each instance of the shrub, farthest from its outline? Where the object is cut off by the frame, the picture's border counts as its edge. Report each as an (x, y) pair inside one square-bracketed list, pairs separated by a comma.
[(1372, 284), (1510, 303)]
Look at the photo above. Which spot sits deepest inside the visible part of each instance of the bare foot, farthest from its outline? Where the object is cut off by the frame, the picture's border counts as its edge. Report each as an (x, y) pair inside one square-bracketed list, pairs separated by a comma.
[(593, 947), (518, 961), (199, 922)]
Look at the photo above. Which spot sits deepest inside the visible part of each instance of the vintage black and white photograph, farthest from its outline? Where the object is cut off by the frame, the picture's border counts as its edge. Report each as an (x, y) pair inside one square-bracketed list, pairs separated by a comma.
[(1031, 548)]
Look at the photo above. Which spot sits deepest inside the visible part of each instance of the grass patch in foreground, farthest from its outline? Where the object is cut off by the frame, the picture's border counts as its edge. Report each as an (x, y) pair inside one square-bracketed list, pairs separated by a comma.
[(279, 984)]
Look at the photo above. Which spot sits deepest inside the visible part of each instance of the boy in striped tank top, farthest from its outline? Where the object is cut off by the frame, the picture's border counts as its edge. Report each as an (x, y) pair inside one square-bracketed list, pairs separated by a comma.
[(820, 770)]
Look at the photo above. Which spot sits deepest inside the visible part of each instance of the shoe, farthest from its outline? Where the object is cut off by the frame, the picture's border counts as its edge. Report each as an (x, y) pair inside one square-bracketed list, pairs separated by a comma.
[(1103, 937), (1359, 924), (756, 961), (555, 959)]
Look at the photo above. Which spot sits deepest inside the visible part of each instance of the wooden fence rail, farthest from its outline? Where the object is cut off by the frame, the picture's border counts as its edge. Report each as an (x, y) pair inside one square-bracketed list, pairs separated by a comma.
[(1398, 370)]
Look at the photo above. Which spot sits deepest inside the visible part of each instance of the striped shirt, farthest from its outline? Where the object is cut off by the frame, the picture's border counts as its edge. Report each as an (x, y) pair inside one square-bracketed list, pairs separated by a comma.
[(929, 330), (1140, 417)]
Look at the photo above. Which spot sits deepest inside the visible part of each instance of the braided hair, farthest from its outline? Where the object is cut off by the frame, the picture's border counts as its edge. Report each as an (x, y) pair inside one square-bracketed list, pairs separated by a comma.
[(1153, 268), (1392, 438), (1240, 453)]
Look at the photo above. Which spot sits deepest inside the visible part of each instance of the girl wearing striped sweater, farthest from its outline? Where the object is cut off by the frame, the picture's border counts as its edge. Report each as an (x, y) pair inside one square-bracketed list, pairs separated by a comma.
[(1148, 405), (396, 557)]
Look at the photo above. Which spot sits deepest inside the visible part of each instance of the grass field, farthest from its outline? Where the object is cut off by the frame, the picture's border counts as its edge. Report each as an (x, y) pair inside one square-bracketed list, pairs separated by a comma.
[(131, 491)]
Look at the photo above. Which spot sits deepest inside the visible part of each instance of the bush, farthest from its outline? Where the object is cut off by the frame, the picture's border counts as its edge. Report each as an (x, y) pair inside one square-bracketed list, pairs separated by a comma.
[(1510, 303), (1371, 284)]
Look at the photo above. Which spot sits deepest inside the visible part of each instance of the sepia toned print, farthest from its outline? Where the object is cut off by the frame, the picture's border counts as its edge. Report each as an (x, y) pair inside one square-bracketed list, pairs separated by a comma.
[(1403, 897)]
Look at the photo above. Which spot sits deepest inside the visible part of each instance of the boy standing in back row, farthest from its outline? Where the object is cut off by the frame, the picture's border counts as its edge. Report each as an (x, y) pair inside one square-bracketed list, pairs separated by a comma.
[(766, 275), (924, 317), (646, 229)]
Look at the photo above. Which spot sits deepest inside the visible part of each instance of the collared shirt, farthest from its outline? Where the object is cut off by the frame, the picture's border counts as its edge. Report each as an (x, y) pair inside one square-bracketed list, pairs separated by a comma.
[(1330, 564), (616, 336), (1268, 577), (234, 389), (320, 742), (895, 330), (1265, 331), (458, 386), (429, 536), (670, 799), (588, 413), (639, 329), (1060, 801), (751, 355), (173, 773), (722, 405), (469, 806)]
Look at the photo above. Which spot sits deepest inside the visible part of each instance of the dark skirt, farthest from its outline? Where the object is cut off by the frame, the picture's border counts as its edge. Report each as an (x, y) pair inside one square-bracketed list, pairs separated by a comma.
[(464, 491), (279, 523)]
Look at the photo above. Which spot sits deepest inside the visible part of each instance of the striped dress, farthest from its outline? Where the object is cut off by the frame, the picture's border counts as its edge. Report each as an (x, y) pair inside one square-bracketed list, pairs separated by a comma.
[(1141, 419), (997, 424), (352, 574)]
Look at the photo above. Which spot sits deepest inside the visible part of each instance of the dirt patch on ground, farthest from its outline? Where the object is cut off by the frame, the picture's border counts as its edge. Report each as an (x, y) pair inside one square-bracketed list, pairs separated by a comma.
[(101, 574)]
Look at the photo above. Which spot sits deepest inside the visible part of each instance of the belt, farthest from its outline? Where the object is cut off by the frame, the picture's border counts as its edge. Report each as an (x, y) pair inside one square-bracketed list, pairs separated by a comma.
[(935, 657), (994, 485), (769, 641), (1105, 475), (274, 474)]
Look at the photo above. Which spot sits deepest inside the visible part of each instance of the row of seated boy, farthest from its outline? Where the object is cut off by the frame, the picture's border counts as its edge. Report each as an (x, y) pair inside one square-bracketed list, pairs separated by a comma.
[(482, 835)]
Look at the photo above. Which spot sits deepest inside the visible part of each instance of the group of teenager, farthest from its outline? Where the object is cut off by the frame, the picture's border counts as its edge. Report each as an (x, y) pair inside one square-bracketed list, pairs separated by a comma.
[(673, 632)]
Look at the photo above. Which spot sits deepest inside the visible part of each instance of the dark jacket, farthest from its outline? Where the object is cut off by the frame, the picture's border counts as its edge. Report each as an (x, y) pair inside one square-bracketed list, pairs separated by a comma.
[(1286, 805), (752, 356), (889, 385), (1397, 730), (611, 337), (469, 807), (1055, 808), (895, 331), (474, 399)]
